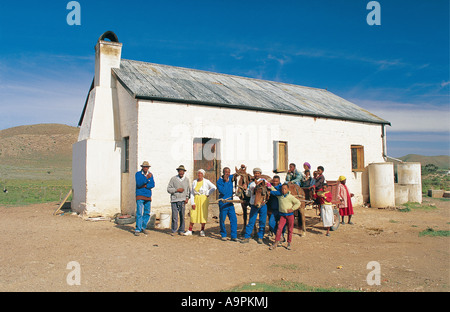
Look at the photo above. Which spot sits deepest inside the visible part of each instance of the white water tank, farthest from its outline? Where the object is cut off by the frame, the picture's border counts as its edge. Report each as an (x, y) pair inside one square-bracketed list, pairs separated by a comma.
[(410, 174), (381, 185), (401, 194)]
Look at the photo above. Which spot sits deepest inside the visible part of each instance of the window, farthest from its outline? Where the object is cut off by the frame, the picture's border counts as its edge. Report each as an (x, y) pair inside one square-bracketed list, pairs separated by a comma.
[(126, 154), (357, 157), (280, 156)]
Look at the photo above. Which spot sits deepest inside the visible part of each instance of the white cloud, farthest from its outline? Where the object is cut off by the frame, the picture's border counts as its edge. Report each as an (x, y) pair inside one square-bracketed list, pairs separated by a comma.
[(410, 117), (396, 151), (418, 120), (345, 55), (418, 137), (445, 83)]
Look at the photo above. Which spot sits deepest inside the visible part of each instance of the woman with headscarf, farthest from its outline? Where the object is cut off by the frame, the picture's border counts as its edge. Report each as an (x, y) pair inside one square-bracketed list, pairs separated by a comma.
[(306, 166), (201, 189), (345, 198)]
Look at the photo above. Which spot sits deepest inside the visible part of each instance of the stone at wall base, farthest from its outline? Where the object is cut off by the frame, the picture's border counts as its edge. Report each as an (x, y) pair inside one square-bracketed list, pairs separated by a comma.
[(436, 193)]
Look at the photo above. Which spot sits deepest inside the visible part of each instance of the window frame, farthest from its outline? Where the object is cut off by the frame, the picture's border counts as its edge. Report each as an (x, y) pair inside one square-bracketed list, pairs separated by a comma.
[(277, 163), (359, 157), (126, 154)]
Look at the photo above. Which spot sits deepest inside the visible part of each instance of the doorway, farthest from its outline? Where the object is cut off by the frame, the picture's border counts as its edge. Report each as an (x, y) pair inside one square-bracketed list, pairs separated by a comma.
[(207, 157)]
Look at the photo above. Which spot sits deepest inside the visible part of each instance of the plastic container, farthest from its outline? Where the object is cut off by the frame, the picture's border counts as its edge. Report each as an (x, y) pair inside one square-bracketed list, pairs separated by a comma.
[(410, 174), (381, 185), (164, 221)]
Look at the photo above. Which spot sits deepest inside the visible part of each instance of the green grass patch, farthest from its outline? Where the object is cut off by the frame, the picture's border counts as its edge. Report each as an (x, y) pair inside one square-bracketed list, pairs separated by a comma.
[(409, 206), (435, 181), (26, 192), (284, 286), (432, 232)]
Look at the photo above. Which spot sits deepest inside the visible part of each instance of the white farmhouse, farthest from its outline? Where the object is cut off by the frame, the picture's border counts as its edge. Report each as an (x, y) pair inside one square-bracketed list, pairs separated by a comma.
[(173, 116)]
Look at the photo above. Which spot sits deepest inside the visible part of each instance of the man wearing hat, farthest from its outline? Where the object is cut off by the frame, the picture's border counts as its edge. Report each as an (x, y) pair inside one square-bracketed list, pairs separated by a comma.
[(144, 185), (179, 189), (254, 212)]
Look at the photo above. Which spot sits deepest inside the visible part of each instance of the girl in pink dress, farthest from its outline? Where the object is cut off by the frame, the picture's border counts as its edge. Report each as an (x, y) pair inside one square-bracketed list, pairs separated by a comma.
[(345, 198)]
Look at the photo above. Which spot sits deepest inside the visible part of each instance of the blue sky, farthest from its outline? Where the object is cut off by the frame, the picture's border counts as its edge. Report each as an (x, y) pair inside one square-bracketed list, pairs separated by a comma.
[(398, 70)]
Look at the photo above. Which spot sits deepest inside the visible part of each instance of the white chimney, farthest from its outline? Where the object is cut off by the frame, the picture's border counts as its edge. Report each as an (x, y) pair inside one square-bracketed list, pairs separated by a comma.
[(99, 115), (96, 157), (107, 56)]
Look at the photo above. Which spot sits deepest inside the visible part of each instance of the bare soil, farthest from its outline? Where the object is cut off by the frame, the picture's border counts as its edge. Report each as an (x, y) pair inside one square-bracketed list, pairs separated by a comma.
[(37, 246)]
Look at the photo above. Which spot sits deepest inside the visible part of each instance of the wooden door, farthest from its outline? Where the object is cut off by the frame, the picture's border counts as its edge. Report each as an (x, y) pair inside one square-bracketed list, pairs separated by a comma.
[(207, 157)]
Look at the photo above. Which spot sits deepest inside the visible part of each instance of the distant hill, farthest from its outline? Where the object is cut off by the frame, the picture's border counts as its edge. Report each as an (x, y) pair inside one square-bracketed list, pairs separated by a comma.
[(443, 161), (37, 150)]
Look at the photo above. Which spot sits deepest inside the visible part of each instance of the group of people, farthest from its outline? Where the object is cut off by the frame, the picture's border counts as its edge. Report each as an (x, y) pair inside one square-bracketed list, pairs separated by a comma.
[(281, 203), (322, 195)]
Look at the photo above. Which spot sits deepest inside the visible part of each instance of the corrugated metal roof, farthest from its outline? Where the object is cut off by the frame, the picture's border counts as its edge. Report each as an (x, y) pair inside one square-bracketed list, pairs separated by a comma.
[(176, 84)]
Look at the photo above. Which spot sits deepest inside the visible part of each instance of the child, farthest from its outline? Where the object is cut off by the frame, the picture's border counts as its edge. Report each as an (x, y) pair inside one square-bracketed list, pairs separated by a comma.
[(320, 179), (287, 203), (272, 205), (306, 166), (306, 180), (345, 198), (313, 179), (326, 208)]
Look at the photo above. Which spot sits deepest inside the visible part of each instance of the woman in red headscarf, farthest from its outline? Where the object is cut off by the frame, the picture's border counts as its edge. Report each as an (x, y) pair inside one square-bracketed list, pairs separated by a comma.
[(345, 198)]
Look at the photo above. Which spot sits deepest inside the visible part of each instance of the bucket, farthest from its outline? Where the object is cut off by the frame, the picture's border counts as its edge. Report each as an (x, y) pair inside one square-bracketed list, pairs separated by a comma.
[(152, 221), (164, 221)]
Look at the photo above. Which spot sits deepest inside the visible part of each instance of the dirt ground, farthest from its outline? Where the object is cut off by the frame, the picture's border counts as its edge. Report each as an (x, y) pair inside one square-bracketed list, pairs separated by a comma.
[(37, 247)]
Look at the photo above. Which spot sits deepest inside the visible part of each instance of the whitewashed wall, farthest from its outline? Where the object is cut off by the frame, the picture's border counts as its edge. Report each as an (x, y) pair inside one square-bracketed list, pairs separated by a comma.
[(166, 132), (127, 108), (79, 185), (95, 181)]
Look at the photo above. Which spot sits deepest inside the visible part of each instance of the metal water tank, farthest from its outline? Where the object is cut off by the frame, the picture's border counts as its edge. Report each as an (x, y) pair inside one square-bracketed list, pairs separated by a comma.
[(381, 185)]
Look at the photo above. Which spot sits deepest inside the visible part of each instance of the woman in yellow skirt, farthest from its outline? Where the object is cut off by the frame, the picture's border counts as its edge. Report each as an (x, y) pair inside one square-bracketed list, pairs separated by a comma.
[(201, 189)]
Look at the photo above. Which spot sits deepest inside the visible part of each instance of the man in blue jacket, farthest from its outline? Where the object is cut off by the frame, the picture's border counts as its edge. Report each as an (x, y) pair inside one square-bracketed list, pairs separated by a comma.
[(272, 205), (144, 185), (225, 187)]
